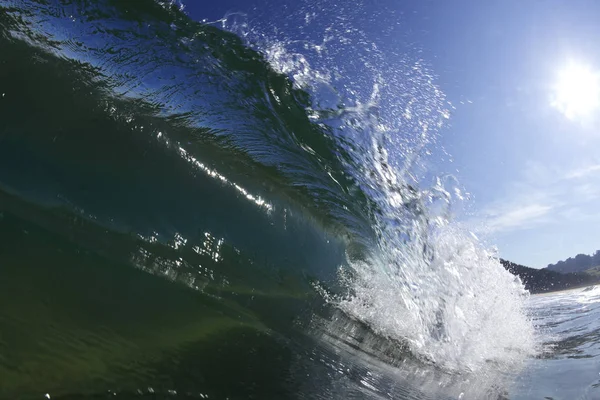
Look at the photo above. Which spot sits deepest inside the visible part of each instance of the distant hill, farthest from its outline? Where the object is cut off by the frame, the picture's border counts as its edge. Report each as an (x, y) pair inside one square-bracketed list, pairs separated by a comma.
[(545, 280), (579, 263)]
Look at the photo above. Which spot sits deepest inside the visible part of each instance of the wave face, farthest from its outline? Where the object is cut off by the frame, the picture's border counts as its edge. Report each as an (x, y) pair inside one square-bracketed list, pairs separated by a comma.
[(425, 281), (256, 164)]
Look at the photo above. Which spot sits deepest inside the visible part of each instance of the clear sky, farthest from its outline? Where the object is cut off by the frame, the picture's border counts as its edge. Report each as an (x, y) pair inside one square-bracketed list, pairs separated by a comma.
[(524, 78)]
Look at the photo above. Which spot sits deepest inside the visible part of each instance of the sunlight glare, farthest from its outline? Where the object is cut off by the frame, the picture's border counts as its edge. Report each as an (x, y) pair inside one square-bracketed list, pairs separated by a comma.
[(577, 91)]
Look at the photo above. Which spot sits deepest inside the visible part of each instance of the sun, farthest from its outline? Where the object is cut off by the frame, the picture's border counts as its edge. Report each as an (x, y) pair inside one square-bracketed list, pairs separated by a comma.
[(577, 91)]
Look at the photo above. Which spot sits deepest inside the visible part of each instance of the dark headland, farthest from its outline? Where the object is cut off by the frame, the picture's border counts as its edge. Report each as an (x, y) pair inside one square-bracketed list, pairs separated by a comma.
[(549, 280)]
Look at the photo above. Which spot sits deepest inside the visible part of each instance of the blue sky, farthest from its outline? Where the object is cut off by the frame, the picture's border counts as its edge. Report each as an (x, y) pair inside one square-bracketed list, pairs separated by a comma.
[(533, 172)]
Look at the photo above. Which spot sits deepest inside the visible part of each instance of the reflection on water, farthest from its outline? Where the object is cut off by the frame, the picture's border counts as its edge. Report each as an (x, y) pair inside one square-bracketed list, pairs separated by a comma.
[(214, 174), (568, 366)]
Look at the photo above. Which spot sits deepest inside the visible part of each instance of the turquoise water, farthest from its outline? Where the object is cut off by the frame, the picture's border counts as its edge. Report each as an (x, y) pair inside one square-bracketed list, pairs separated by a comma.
[(202, 210)]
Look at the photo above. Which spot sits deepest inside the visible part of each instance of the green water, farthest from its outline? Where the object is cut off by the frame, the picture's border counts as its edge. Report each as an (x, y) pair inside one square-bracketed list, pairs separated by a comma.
[(76, 323), (178, 218)]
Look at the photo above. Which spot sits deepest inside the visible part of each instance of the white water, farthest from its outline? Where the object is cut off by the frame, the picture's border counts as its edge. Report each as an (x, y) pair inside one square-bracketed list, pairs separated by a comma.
[(428, 282), (459, 310)]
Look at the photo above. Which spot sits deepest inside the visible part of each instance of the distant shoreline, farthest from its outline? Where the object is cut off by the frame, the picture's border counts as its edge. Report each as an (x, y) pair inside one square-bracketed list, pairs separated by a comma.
[(539, 281), (571, 289)]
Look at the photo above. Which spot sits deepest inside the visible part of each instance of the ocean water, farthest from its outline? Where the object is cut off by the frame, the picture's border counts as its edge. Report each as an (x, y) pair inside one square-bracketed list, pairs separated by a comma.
[(230, 209)]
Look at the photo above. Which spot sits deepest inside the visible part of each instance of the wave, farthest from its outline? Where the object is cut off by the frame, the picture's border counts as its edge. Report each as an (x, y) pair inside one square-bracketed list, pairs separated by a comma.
[(202, 148), (426, 281)]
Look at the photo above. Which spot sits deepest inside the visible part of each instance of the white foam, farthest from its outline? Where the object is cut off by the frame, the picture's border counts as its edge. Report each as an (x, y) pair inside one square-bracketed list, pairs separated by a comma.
[(460, 310), (426, 281)]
